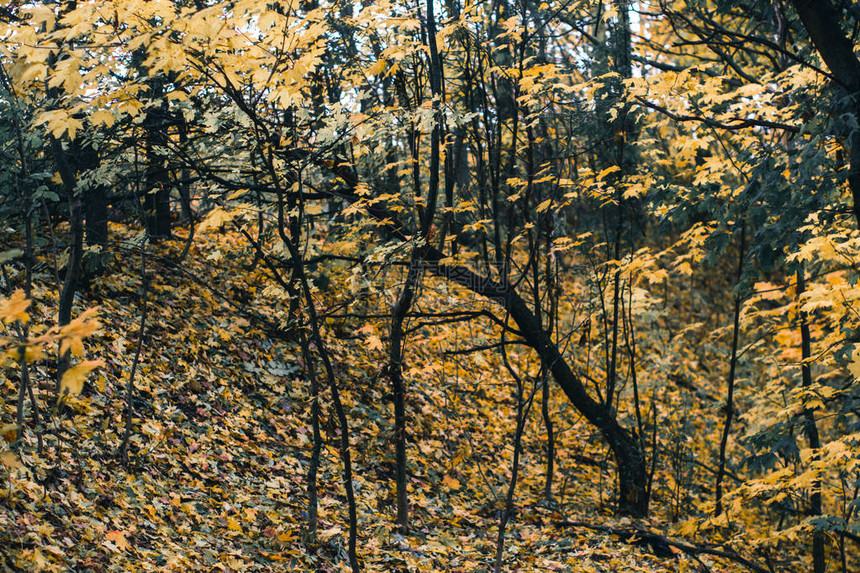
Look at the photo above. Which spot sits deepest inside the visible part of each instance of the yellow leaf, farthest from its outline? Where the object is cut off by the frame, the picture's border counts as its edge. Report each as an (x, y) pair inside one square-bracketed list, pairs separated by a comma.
[(78, 329), (73, 378), (33, 72), (544, 206), (233, 525), (377, 69), (33, 354), (607, 171), (374, 343), (42, 15), (15, 307), (131, 107), (73, 344), (10, 460), (689, 527), (72, 127), (215, 220), (118, 539), (450, 482), (102, 117)]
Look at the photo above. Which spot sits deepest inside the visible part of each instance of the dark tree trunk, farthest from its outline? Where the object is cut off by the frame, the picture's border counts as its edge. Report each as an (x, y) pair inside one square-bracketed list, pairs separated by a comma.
[(822, 22), (76, 232), (626, 448), (96, 215), (95, 203), (730, 386), (156, 202), (395, 373)]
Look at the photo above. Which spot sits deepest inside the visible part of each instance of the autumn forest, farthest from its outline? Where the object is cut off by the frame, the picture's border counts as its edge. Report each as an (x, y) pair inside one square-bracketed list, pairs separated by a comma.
[(430, 285)]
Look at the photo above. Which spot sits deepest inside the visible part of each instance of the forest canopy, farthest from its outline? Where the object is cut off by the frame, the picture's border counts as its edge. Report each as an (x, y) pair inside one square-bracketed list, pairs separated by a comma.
[(432, 285)]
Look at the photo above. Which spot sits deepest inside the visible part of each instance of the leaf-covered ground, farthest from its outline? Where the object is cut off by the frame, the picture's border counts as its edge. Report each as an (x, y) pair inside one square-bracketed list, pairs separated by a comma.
[(218, 458)]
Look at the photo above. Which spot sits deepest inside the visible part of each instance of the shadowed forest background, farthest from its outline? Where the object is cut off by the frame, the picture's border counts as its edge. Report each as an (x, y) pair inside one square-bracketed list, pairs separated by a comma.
[(439, 285)]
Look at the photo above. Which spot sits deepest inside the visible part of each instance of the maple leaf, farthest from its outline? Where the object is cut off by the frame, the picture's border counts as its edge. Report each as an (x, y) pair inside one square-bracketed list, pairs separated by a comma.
[(73, 333), (73, 379), (15, 307), (103, 117), (118, 539), (377, 68), (34, 353), (216, 219), (373, 342)]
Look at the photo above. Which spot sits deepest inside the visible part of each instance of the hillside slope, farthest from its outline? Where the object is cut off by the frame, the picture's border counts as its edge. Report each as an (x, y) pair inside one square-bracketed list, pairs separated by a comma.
[(220, 443)]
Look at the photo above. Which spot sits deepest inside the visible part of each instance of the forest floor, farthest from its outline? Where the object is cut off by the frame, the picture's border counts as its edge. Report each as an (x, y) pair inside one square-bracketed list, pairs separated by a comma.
[(216, 478)]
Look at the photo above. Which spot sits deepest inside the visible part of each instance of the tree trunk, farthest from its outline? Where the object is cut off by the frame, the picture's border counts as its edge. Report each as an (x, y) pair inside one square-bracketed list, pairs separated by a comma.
[(730, 385), (821, 19), (156, 202), (76, 232), (395, 373), (94, 194), (819, 560), (629, 456), (626, 448)]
